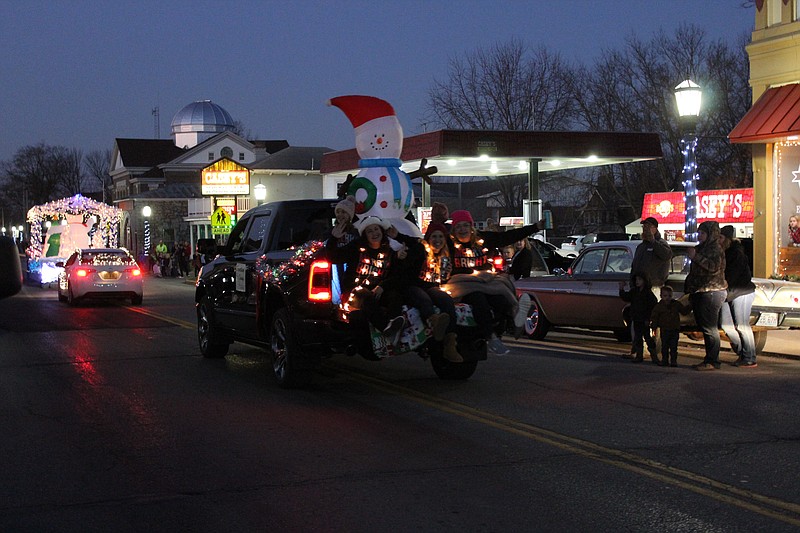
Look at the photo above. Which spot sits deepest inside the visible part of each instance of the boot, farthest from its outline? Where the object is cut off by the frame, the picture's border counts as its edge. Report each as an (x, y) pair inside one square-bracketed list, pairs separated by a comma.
[(438, 324), (450, 351)]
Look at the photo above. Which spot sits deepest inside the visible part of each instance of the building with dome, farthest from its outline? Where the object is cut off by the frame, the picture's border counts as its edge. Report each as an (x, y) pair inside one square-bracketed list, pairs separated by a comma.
[(198, 122), (165, 175)]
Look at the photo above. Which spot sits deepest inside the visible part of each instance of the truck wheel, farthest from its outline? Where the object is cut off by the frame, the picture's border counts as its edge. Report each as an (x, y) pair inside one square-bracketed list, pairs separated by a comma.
[(449, 370), (536, 325), (286, 355), (210, 344), (761, 340)]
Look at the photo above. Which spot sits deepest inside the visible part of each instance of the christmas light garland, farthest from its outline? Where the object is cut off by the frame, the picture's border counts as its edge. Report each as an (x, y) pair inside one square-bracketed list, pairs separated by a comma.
[(108, 218)]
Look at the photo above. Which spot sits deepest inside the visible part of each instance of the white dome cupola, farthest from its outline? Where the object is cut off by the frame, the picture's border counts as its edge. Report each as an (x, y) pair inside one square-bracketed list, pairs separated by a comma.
[(199, 121)]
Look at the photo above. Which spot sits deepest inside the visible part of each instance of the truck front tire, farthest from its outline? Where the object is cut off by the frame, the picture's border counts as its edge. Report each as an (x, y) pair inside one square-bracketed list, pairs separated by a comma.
[(210, 344)]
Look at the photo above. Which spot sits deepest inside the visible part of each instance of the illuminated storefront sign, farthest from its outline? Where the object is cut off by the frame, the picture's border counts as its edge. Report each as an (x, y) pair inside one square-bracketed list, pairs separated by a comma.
[(225, 177), (726, 206)]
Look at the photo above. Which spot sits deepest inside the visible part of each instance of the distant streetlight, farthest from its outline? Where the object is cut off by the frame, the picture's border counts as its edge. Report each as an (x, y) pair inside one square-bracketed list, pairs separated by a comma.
[(146, 212), (260, 192), (688, 96)]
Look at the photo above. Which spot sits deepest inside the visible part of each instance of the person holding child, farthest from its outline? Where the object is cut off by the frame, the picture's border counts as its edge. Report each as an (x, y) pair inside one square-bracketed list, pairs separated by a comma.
[(642, 302), (665, 320), (373, 280)]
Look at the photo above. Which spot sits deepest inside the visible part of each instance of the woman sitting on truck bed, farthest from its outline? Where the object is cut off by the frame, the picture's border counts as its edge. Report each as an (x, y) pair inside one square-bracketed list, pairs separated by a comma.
[(374, 277), (493, 298)]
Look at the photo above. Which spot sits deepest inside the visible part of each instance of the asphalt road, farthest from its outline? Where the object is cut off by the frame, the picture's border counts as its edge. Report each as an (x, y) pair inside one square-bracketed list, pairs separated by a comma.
[(113, 422)]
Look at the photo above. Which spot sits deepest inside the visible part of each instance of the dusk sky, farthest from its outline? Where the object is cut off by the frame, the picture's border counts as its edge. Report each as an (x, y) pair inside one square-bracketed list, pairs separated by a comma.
[(81, 73)]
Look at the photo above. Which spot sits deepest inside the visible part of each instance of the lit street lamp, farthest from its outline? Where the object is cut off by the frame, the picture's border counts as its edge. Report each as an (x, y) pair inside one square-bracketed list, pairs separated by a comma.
[(260, 192), (688, 95)]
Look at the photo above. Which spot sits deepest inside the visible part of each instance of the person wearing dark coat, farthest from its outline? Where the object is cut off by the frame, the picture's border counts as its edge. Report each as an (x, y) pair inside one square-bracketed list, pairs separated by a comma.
[(707, 289), (522, 261), (734, 315)]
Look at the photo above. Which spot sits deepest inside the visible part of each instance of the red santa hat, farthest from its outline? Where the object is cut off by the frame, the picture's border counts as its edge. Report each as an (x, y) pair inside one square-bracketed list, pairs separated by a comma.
[(361, 109)]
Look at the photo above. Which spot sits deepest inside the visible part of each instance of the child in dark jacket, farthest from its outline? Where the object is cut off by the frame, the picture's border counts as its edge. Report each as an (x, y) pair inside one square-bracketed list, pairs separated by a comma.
[(666, 317), (642, 302)]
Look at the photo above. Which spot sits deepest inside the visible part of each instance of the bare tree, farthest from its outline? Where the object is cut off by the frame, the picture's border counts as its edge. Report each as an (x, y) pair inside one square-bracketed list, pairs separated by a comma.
[(66, 166), (633, 90), (505, 88), (39, 174), (240, 129), (97, 163)]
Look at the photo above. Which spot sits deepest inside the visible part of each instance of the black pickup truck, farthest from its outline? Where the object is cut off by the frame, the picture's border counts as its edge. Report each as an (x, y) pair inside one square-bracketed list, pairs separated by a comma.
[(270, 286)]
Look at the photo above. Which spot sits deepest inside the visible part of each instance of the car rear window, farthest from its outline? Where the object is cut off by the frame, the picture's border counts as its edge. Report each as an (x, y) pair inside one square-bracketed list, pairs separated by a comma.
[(106, 258)]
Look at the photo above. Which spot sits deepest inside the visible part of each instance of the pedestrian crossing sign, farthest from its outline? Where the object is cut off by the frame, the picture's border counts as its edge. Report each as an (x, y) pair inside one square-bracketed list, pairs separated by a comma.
[(220, 222)]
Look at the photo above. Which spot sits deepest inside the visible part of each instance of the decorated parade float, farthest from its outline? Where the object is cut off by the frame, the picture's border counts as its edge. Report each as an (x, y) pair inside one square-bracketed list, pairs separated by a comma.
[(59, 227)]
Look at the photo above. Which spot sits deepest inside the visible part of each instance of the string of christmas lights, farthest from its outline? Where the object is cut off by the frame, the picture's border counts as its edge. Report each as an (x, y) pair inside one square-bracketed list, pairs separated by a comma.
[(690, 178), (108, 218)]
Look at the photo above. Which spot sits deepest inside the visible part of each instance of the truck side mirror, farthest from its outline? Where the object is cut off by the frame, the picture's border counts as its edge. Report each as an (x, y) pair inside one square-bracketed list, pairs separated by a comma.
[(10, 268)]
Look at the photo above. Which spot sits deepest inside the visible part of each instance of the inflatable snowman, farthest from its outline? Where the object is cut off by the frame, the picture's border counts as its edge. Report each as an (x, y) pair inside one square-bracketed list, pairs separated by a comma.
[(380, 188)]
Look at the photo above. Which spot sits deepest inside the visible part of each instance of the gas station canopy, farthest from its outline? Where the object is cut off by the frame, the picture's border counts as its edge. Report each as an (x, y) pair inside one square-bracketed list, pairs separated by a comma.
[(504, 153)]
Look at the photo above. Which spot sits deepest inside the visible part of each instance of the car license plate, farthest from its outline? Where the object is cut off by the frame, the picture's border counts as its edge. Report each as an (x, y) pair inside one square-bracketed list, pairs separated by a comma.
[(768, 319)]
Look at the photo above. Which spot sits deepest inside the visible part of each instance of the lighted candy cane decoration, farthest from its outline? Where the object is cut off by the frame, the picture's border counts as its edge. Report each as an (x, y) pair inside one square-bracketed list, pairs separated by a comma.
[(380, 188)]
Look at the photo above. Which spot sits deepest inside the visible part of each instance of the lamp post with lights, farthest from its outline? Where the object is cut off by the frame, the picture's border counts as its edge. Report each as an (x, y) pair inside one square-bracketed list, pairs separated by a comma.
[(687, 96), (146, 212)]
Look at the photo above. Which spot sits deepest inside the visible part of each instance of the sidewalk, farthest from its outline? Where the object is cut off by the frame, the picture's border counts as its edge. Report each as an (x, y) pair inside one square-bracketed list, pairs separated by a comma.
[(783, 343)]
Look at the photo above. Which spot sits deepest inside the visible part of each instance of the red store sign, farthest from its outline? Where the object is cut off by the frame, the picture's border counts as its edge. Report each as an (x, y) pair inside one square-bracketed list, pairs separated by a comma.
[(726, 206)]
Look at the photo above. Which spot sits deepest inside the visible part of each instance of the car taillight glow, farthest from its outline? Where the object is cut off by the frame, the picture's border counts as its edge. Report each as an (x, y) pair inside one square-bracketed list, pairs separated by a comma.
[(319, 282), (135, 272), (83, 272), (498, 262)]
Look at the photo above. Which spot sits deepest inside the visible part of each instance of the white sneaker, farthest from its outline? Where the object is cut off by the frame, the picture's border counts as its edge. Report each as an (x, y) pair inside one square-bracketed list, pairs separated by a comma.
[(496, 346), (394, 330), (522, 310)]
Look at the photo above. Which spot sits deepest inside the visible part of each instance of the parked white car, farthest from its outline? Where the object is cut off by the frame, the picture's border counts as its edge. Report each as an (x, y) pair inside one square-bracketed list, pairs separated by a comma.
[(573, 243)]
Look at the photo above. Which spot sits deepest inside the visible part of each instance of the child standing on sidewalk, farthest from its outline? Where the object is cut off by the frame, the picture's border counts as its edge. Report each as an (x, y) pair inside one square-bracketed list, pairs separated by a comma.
[(642, 302), (666, 317)]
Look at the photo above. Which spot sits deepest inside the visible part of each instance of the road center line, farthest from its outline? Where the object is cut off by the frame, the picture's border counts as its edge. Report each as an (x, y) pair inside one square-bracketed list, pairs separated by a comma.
[(783, 511)]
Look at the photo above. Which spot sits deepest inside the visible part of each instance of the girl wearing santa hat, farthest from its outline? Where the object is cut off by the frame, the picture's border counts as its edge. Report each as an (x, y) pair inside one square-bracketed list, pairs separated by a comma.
[(491, 305)]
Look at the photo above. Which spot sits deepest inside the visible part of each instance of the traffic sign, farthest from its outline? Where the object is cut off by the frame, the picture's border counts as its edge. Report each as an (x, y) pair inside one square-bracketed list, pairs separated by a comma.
[(220, 222)]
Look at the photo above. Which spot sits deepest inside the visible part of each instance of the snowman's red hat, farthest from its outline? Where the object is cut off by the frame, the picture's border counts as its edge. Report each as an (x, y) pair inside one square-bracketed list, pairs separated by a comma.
[(361, 109)]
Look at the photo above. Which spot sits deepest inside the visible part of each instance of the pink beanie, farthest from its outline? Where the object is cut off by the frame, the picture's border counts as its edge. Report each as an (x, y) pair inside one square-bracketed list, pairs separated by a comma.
[(461, 216)]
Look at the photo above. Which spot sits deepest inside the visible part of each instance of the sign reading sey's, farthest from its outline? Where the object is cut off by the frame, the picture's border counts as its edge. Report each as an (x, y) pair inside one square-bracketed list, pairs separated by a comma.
[(727, 206), (226, 182)]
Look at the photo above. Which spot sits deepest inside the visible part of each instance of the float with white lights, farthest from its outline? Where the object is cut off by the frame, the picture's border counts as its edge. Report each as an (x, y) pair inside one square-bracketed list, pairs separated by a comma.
[(57, 228)]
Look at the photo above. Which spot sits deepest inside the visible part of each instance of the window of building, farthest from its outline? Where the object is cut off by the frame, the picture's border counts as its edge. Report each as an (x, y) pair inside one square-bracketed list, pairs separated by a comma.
[(226, 152), (241, 156), (774, 12), (210, 156)]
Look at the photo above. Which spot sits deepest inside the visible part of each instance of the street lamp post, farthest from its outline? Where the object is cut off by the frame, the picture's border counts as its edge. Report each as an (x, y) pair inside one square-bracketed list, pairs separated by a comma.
[(146, 212), (688, 95)]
